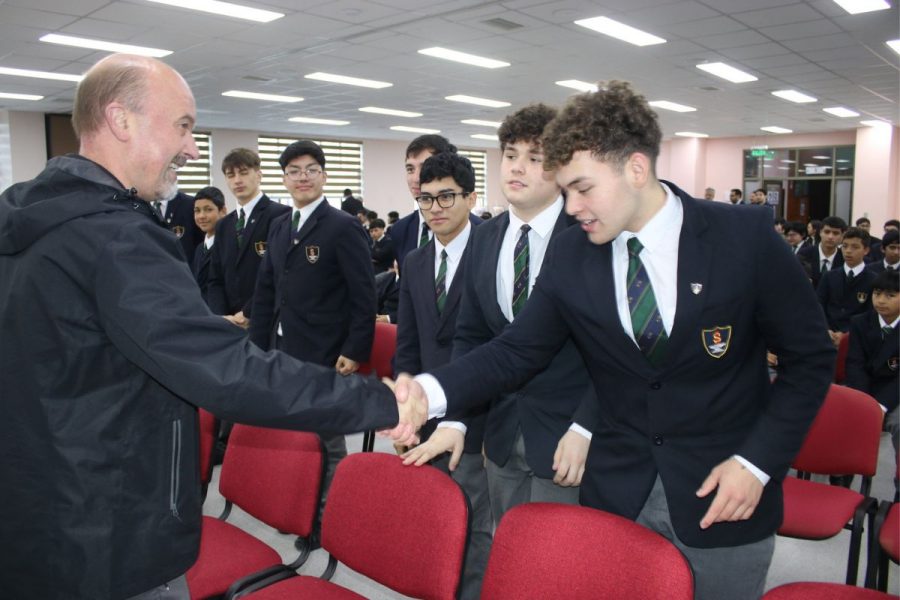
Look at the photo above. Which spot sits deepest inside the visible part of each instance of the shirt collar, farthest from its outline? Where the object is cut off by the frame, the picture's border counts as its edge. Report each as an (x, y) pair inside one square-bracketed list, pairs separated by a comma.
[(542, 223), (309, 208), (209, 241), (855, 270), (457, 246), (660, 229), (248, 208), (822, 255), (884, 323)]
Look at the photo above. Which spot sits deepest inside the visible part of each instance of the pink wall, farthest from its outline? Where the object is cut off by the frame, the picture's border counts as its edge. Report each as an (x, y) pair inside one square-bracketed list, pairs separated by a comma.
[(695, 164)]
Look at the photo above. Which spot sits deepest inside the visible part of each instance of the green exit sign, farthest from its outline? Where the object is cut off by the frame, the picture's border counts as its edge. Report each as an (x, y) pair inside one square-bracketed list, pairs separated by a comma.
[(763, 153)]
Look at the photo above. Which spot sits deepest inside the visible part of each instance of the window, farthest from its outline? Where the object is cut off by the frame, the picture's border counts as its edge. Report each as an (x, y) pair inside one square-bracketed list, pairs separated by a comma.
[(343, 163), (479, 161), (194, 175)]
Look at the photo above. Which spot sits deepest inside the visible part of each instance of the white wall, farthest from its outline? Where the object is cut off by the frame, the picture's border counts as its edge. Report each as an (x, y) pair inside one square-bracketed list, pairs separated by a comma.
[(28, 145)]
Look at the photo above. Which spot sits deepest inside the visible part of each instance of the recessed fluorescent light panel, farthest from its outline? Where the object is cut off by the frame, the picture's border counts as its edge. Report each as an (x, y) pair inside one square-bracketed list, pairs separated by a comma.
[(673, 106), (793, 96), (40, 74), (478, 101), (575, 84), (463, 57), (776, 129), (620, 31), (494, 124), (68, 40), (726, 72), (389, 111), (332, 78), (692, 134), (414, 129), (20, 96), (854, 7), (226, 9), (894, 45), (485, 136), (256, 96), (840, 111), (314, 121), (875, 123)]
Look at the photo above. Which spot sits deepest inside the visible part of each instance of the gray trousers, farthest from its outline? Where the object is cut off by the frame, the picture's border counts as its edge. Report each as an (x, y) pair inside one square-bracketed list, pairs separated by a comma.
[(336, 449), (733, 572), (176, 589), (471, 477), (515, 483)]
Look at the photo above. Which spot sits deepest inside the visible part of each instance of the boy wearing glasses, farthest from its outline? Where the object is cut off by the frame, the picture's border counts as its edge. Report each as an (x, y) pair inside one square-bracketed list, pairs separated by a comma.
[(315, 294), (431, 290)]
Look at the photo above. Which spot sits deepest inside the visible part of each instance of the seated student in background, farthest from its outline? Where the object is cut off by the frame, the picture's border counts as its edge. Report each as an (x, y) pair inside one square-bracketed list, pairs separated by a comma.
[(387, 294), (812, 233), (382, 246), (874, 254), (872, 358), (826, 255), (845, 292), (209, 207), (890, 248), (794, 234)]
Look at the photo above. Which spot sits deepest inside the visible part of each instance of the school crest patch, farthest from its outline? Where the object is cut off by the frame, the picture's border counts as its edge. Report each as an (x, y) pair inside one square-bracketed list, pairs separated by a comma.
[(312, 254), (892, 363), (861, 297), (178, 230), (260, 248), (716, 340)]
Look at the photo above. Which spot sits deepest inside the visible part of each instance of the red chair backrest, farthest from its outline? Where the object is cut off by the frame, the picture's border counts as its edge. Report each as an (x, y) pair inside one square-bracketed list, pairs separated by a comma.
[(207, 441), (383, 349), (844, 436), (404, 527), (823, 591), (274, 475), (840, 366), (543, 550)]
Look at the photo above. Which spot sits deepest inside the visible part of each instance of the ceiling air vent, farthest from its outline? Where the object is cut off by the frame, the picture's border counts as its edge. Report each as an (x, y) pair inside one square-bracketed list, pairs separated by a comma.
[(502, 24)]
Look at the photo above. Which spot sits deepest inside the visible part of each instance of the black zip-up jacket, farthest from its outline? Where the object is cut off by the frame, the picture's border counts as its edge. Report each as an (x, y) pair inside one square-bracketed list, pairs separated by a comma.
[(106, 347)]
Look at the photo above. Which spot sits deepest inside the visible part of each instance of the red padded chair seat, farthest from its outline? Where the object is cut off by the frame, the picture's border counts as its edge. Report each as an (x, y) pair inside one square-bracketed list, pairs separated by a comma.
[(890, 533), (305, 586), (823, 591), (228, 554), (816, 511)]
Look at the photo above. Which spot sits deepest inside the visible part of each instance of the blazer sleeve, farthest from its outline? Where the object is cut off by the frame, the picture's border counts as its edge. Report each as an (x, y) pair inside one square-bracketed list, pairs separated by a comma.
[(856, 375), (354, 260), (215, 284), (263, 321), (472, 329), (793, 327), (407, 358), (207, 361)]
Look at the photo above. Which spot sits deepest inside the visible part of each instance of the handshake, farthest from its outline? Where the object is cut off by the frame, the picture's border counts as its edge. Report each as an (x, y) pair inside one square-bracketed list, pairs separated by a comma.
[(412, 406)]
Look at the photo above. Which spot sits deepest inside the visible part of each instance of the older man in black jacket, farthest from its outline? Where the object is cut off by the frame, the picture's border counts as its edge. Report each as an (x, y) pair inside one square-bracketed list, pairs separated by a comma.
[(107, 348)]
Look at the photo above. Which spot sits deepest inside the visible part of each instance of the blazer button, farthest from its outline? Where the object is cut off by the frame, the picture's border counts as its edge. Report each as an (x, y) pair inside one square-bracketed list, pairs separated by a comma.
[(657, 440), (655, 385)]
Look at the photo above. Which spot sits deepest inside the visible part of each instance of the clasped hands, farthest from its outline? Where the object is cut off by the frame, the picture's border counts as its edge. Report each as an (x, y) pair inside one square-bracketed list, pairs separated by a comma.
[(412, 406)]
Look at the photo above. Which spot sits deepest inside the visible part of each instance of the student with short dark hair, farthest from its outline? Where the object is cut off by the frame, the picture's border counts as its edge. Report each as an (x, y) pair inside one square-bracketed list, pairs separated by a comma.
[(382, 246), (794, 234), (209, 207), (890, 253), (845, 292), (826, 255), (872, 358), (431, 295)]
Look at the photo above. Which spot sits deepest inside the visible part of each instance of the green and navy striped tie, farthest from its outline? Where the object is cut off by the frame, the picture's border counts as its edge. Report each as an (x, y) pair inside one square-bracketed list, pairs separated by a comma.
[(646, 321), (520, 271), (440, 283)]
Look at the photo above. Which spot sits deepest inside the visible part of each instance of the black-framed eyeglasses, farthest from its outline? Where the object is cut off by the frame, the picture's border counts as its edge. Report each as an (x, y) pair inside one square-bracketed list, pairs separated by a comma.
[(310, 172), (444, 199)]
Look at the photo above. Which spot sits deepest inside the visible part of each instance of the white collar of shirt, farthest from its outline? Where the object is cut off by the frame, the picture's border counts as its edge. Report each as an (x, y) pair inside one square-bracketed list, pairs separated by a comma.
[(660, 239), (248, 208), (855, 270), (209, 241), (884, 323), (163, 207), (538, 238), (455, 250), (307, 210), (830, 258), (893, 266)]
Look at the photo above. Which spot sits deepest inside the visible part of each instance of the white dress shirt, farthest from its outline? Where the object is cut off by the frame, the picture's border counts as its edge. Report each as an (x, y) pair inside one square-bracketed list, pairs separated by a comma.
[(307, 210), (248, 208), (209, 241), (455, 250), (855, 270), (822, 257)]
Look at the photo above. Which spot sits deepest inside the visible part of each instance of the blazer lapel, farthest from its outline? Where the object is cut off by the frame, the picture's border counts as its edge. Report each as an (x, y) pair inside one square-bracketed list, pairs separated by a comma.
[(599, 281), (496, 315), (252, 219), (694, 258), (425, 282), (309, 225)]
